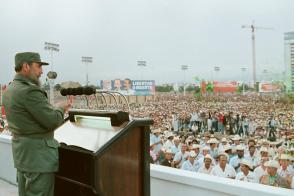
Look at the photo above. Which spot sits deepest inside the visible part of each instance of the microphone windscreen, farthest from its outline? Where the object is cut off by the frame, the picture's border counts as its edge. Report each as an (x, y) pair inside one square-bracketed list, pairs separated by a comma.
[(70, 91), (79, 91), (63, 92), (89, 90)]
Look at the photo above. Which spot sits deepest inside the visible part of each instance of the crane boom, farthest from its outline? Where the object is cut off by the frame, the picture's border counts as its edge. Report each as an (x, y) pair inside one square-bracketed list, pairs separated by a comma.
[(253, 29)]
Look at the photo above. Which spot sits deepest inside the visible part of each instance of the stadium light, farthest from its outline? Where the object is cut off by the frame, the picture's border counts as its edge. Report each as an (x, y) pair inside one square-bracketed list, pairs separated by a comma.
[(86, 60)]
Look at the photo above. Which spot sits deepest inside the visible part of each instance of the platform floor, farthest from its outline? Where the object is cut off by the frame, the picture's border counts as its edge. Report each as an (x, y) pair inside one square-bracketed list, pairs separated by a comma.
[(7, 189)]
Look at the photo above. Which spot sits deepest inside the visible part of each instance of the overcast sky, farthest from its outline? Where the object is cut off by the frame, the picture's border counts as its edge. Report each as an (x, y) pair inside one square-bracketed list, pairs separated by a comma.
[(165, 33)]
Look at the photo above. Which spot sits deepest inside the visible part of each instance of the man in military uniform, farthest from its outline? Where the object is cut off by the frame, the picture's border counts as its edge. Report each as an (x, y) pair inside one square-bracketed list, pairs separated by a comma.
[(32, 121)]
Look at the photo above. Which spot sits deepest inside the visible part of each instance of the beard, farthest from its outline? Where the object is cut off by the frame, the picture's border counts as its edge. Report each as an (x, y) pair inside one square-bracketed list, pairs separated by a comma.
[(34, 79)]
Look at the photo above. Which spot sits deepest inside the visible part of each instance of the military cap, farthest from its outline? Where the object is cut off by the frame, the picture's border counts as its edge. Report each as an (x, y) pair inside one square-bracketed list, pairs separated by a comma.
[(28, 57)]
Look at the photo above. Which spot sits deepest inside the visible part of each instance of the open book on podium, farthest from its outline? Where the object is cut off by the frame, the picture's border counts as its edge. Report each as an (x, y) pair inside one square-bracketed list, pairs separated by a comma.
[(103, 153)]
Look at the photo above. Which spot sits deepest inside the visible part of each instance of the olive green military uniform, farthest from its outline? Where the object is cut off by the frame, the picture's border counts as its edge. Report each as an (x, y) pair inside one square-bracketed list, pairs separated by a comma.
[(32, 120)]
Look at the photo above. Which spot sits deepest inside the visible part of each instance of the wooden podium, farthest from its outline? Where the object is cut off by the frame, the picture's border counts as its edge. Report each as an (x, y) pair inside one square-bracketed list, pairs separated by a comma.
[(103, 153)]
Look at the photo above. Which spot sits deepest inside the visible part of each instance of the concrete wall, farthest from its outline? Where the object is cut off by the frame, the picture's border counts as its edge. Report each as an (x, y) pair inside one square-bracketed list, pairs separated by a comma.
[(167, 181), (175, 182), (7, 170)]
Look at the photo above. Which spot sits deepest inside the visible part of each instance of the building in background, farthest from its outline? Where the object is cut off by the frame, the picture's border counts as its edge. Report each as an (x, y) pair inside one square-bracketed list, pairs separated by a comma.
[(289, 60)]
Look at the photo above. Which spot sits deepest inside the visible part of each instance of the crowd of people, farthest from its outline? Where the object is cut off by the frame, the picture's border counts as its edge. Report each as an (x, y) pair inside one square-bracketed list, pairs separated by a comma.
[(248, 138), (243, 137)]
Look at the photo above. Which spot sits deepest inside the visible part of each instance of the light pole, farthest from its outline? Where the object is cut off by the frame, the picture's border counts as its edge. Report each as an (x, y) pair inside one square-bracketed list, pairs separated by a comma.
[(51, 47), (141, 64), (86, 60), (243, 69), (216, 69), (184, 68)]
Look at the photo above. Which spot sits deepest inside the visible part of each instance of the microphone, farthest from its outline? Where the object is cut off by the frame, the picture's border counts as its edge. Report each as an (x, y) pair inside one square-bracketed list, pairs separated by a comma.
[(89, 90), (78, 91), (63, 92)]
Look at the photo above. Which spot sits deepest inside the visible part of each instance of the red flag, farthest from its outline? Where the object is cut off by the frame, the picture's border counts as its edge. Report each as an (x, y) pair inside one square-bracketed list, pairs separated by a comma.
[(2, 107), (3, 111)]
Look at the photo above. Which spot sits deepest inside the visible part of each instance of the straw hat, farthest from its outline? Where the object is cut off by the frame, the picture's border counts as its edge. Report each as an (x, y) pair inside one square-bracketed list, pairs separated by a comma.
[(212, 141), (284, 157), (208, 157), (192, 154), (272, 163), (247, 162)]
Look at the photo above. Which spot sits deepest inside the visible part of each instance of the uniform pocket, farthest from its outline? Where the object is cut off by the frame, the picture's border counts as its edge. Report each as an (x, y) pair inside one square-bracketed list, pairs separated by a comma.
[(52, 143)]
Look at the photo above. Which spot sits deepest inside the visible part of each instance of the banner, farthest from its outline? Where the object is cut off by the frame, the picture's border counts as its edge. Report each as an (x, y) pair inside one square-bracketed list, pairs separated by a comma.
[(224, 87), (130, 87), (268, 87), (2, 89)]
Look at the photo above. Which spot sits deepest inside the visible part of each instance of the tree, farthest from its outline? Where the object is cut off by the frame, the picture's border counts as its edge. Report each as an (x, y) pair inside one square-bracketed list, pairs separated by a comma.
[(165, 88)]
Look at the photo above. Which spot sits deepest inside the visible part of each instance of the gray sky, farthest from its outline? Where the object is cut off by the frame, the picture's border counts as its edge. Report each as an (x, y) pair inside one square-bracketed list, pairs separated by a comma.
[(165, 33)]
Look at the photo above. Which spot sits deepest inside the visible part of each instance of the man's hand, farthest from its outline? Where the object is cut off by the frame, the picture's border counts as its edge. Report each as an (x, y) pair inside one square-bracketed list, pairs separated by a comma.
[(66, 105)]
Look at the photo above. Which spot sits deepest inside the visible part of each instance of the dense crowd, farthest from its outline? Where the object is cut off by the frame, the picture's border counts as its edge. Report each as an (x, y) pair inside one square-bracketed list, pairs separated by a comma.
[(248, 138), (243, 137)]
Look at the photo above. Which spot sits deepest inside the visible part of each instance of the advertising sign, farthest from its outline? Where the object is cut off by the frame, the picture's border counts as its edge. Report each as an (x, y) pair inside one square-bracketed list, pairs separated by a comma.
[(130, 87), (268, 87)]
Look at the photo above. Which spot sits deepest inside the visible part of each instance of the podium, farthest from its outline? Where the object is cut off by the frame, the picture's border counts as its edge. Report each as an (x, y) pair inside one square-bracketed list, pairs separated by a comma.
[(103, 153)]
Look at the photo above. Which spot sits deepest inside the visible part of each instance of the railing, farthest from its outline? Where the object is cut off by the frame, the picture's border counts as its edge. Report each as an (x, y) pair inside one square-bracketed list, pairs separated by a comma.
[(167, 181)]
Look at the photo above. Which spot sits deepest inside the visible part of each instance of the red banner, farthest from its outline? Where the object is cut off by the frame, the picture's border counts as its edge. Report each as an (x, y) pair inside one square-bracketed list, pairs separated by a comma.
[(225, 87), (203, 87), (2, 107)]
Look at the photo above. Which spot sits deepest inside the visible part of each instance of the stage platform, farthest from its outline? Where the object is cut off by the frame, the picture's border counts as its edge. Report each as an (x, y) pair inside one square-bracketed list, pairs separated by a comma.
[(7, 189)]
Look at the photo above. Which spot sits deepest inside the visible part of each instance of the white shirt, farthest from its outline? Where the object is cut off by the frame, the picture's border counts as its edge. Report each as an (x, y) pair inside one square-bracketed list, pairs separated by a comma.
[(203, 169), (155, 139), (201, 161), (175, 149), (187, 165), (168, 144), (251, 177), (181, 156), (254, 160), (229, 171), (288, 172), (259, 171), (235, 162)]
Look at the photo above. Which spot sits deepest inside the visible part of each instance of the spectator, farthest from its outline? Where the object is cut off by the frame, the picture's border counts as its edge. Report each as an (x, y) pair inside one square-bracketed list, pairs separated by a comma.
[(223, 169)]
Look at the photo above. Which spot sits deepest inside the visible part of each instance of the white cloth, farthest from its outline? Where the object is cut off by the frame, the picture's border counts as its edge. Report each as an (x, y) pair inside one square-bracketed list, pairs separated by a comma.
[(5, 132), (251, 177), (155, 139), (288, 172), (175, 149), (253, 159), (168, 144), (203, 169), (229, 171), (187, 165), (259, 171), (235, 162), (214, 152), (201, 161), (175, 123), (182, 157), (194, 117), (209, 124)]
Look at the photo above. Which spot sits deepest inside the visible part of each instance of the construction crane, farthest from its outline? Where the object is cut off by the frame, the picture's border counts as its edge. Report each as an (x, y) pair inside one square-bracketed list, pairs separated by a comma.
[(253, 29)]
